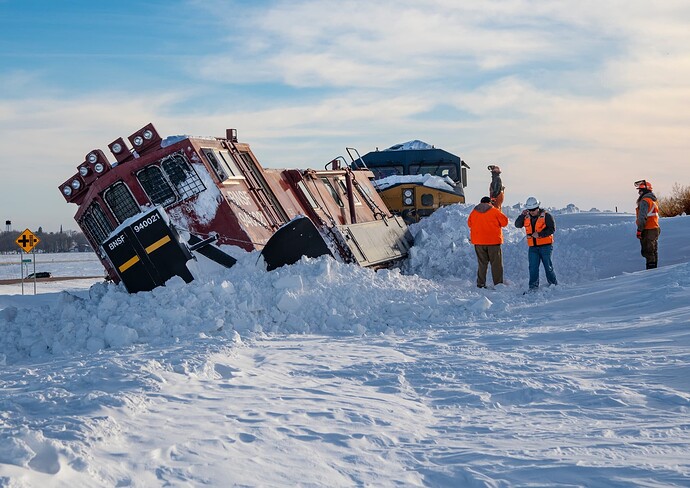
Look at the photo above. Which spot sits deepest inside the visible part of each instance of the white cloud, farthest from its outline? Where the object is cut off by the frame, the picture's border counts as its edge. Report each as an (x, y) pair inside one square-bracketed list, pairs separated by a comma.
[(555, 92)]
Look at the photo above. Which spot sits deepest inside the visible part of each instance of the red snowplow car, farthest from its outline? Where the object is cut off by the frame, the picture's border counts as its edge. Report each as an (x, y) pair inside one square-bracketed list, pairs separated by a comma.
[(162, 200)]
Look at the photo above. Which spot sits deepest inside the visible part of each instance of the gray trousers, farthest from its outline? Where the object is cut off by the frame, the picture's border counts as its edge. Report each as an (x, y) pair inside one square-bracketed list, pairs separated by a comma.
[(650, 247), (489, 255)]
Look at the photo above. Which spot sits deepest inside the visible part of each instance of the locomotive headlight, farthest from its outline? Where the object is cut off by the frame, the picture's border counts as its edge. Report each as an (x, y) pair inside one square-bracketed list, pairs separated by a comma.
[(92, 158), (407, 193), (98, 168), (116, 148), (148, 135), (83, 170), (408, 201), (76, 184), (67, 190), (138, 141)]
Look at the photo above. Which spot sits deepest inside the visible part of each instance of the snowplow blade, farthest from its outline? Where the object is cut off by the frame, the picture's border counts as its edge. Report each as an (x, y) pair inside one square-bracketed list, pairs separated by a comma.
[(378, 243), (297, 238)]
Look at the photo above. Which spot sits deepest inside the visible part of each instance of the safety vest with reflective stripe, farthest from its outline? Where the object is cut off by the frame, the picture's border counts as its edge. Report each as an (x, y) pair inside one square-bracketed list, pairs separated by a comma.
[(652, 221), (539, 226)]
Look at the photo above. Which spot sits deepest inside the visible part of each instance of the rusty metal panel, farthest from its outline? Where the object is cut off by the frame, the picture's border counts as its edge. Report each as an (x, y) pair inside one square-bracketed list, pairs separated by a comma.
[(284, 191), (378, 241)]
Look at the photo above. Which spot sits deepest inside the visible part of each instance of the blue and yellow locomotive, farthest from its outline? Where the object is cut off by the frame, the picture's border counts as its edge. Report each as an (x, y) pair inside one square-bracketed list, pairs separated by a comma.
[(414, 178)]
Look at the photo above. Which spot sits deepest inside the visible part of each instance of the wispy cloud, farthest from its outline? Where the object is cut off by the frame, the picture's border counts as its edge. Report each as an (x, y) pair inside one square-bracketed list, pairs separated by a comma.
[(556, 92)]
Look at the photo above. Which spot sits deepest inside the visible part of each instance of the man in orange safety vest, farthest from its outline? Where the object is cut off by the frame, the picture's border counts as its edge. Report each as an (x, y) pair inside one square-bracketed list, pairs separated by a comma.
[(539, 226), (648, 229)]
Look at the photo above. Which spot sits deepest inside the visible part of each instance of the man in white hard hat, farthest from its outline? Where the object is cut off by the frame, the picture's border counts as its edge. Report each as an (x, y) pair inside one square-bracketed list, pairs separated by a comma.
[(539, 226)]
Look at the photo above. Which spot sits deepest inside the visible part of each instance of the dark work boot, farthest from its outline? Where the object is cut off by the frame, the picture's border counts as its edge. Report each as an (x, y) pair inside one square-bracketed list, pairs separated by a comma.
[(651, 265)]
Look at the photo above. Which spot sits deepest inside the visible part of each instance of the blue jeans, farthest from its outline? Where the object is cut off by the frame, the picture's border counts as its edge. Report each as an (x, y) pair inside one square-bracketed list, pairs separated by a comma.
[(541, 254)]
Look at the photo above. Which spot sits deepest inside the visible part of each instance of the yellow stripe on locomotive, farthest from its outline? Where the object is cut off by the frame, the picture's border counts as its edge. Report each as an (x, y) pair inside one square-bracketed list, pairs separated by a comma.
[(414, 201)]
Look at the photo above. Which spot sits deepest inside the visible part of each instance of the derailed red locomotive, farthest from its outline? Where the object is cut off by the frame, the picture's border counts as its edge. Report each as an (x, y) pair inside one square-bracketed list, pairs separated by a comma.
[(162, 200)]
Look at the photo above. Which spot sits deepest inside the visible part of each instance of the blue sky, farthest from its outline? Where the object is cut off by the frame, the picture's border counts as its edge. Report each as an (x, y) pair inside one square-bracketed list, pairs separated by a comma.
[(575, 100)]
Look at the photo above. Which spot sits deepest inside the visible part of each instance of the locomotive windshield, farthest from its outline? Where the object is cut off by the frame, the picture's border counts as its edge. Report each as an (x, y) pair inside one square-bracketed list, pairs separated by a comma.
[(121, 202)]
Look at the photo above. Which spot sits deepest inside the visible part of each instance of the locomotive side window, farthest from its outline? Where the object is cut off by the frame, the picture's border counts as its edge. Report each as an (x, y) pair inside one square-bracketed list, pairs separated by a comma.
[(220, 172), (230, 163), (381, 172), (307, 194), (332, 191), (156, 187), (439, 169), (223, 164), (96, 224), (182, 176), (121, 201), (343, 188)]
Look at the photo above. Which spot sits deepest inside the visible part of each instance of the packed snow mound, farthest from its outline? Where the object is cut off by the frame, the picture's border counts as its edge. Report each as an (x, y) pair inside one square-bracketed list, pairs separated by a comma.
[(312, 296), (430, 181), (588, 245), (409, 145), (434, 287)]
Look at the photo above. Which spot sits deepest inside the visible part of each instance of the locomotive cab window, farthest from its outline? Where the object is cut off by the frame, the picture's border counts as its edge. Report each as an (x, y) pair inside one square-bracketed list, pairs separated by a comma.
[(343, 188), (381, 172), (307, 194), (182, 176), (223, 164), (438, 169), (229, 161), (332, 191), (155, 185), (121, 202), (96, 224)]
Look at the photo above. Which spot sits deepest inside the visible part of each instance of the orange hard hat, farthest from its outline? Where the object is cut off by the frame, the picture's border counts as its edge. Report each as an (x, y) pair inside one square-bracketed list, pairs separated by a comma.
[(643, 185)]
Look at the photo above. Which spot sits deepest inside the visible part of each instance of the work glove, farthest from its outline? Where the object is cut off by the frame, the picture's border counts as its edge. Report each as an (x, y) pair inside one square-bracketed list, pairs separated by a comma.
[(525, 212), (639, 234)]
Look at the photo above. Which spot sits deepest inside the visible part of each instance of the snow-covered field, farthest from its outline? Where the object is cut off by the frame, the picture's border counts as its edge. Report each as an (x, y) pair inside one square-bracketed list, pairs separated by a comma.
[(322, 374), (59, 264)]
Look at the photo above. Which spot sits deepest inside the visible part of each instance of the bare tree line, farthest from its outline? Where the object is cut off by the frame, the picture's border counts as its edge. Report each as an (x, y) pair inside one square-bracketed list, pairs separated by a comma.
[(63, 241), (678, 203)]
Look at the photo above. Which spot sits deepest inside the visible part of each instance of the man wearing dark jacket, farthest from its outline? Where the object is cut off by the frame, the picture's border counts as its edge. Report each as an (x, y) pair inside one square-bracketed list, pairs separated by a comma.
[(648, 229), (539, 226), (496, 188), (485, 223)]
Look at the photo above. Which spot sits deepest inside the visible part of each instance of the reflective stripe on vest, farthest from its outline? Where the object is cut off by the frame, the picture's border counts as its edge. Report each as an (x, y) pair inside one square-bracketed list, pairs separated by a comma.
[(652, 221), (540, 226)]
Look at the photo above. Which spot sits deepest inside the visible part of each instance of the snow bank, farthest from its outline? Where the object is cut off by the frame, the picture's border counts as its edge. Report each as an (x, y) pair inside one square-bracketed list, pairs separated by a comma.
[(435, 286)]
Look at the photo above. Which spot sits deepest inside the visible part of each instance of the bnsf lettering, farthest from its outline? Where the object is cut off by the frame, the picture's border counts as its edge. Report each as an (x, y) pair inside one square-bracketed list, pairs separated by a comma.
[(145, 223), (116, 242), (239, 197)]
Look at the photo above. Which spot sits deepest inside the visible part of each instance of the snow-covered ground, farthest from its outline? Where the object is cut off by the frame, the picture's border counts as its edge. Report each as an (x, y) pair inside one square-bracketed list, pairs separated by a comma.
[(322, 374), (12, 266)]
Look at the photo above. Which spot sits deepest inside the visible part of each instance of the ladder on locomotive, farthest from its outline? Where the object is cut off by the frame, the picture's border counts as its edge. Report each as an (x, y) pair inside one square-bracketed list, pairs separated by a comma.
[(259, 188)]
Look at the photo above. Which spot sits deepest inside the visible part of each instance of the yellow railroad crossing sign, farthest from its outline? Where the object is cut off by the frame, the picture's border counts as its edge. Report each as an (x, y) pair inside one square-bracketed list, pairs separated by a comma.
[(27, 240)]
